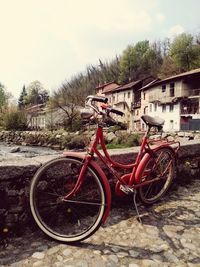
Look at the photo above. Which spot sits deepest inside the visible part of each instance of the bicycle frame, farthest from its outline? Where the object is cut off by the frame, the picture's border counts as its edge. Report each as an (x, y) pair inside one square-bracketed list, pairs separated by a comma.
[(132, 179)]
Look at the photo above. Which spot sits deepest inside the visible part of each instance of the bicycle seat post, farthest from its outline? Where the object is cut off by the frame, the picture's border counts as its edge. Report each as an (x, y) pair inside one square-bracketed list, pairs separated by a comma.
[(147, 131)]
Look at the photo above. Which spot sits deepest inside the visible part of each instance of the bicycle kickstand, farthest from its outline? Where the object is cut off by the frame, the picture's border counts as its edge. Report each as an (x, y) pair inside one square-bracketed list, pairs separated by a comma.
[(135, 204)]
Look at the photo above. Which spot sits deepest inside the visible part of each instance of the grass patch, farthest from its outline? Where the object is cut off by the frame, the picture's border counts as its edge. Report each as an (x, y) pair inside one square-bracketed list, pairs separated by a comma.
[(113, 146)]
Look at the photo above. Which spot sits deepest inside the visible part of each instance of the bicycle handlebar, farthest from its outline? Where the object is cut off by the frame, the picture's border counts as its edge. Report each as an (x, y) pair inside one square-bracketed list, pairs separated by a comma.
[(116, 111), (106, 109), (101, 99)]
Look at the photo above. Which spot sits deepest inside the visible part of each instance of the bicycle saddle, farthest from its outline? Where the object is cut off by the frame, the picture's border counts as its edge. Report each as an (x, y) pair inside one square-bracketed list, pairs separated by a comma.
[(153, 121)]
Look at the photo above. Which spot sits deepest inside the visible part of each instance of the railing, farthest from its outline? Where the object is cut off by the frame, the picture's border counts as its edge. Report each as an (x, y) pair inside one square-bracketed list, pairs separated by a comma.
[(194, 92), (135, 105), (189, 110)]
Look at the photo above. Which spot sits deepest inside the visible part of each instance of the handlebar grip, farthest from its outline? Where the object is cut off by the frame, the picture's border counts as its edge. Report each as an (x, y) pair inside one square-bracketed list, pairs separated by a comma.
[(118, 112), (101, 99)]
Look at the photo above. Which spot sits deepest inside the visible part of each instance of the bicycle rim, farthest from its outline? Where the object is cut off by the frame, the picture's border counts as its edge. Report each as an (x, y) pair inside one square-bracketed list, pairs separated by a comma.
[(80, 215), (162, 167)]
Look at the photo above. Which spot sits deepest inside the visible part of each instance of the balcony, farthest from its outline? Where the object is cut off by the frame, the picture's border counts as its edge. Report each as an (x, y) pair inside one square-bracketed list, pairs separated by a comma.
[(194, 92), (135, 105), (158, 98), (190, 108)]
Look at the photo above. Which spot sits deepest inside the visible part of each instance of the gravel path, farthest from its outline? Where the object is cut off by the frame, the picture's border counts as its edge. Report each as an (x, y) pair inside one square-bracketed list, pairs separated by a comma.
[(169, 236)]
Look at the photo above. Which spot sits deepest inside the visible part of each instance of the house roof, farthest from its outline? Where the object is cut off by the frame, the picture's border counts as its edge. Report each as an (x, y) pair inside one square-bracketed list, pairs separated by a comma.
[(107, 87), (35, 108), (110, 87), (127, 86), (103, 85), (175, 77)]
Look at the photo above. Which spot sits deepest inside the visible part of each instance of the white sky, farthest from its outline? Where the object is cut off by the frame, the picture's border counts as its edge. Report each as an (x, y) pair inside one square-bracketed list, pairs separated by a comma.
[(52, 40)]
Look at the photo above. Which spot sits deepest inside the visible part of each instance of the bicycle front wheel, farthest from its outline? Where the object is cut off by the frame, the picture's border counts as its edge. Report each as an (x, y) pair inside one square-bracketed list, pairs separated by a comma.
[(161, 166), (75, 218)]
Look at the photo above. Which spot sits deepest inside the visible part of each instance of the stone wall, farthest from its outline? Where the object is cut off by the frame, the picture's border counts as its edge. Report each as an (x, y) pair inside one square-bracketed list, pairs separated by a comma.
[(61, 139), (16, 174)]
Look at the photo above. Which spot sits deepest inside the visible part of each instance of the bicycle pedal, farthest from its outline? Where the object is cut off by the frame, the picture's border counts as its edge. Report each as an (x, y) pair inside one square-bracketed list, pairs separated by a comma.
[(126, 189)]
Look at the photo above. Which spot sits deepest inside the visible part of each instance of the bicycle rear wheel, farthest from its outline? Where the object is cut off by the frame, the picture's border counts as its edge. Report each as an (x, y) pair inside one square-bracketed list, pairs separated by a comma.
[(80, 215), (161, 166)]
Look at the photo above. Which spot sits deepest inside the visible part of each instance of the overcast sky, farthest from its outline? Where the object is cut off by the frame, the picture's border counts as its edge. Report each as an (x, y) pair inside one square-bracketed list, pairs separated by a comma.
[(52, 40)]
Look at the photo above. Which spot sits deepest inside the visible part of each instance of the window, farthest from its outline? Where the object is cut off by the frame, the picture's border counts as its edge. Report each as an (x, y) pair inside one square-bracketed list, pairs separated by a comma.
[(155, 107), (150, 107), (171, 124), (171, 90), (129, 94), (163, 88), (113, 98), (164, 108), (124, 95), (144, 95), (171, 107), (146, 110)]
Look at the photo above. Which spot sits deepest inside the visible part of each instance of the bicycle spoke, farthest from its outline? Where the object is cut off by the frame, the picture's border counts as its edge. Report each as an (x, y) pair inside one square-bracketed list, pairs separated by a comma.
[(75, 217), (83, 202), (160, 171)]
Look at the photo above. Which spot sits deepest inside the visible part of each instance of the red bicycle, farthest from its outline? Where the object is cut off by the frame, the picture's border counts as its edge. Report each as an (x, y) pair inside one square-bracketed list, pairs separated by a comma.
[(70, 197)]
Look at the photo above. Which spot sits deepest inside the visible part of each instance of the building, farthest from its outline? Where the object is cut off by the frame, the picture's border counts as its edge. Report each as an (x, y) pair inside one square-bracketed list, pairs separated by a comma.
[(42, 117), (175, 99), (36, 116), (126, 98)]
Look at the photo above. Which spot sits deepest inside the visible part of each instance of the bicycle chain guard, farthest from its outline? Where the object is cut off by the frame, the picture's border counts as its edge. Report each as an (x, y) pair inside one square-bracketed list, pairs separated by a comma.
[(119, 186)]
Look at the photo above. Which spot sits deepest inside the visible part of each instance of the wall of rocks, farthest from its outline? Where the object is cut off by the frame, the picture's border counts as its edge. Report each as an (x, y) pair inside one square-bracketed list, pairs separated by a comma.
[(61, 139), (16, 174)]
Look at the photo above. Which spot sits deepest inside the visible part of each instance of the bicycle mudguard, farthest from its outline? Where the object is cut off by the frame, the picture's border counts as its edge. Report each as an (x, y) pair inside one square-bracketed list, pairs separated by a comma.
[(145, 159), (97, 169)]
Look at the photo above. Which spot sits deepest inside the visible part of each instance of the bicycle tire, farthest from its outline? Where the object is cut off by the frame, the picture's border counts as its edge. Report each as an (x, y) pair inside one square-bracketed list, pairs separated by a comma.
[(163, 161), (75, 219)]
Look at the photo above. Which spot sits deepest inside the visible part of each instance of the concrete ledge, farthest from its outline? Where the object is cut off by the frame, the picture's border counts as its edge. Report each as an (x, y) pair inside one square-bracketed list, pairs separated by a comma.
[(16, 174)]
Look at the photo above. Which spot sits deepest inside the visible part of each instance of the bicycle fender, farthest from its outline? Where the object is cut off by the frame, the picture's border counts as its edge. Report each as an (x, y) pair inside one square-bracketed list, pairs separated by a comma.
[(98, 170), (145, 159)]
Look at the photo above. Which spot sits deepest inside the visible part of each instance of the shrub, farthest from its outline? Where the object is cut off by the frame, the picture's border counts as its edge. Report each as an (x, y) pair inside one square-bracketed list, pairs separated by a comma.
[(73, 125), (14, 119), (133, 140)]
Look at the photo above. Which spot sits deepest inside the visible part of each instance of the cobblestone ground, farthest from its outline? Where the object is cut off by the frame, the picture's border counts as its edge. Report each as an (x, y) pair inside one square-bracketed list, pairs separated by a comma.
[(169, 236)]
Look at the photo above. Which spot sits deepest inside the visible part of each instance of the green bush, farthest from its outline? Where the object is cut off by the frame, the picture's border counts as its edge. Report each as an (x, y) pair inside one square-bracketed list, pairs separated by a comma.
[(128, 140), (15, 120), (73, 125), (133, 140)]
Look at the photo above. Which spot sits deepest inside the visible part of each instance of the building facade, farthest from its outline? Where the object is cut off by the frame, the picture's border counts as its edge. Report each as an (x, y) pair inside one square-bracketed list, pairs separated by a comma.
[(176, 100)]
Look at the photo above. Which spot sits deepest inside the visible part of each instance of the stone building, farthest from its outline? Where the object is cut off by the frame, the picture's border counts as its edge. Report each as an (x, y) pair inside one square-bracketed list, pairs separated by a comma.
[(175, 99)]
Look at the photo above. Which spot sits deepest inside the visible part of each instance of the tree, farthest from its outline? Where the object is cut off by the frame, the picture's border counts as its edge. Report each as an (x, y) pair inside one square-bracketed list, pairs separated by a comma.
[(15, 119), (127, 64), (36, 94), (68, 100), (139, 61), (4, 96), (168, 68), (22, 98), (185, 52)]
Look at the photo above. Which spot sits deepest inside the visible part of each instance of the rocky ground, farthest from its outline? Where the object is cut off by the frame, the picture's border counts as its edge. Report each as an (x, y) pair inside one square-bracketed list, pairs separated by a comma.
[(169, 236)]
